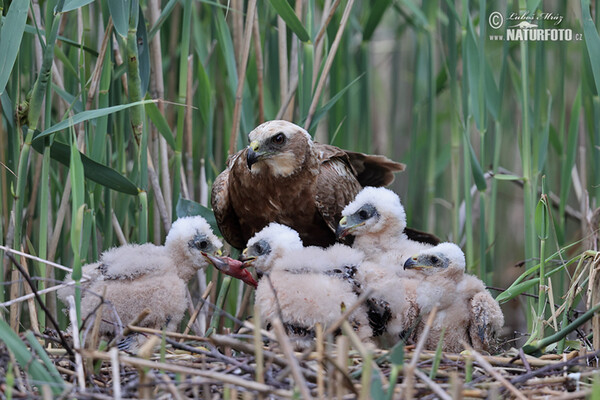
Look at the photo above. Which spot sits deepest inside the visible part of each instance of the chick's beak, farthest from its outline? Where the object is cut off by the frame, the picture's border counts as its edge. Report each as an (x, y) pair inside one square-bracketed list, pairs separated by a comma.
[(253, 154), (346, 227), (411, 263), (231, 267), (246, 259)]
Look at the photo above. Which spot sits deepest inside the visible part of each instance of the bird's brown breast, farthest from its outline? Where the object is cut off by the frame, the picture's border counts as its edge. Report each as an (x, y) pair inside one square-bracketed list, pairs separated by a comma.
[(260, 198)]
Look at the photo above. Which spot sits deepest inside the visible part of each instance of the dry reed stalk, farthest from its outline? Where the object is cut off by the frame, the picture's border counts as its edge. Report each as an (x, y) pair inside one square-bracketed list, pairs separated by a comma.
[(330, 13), (320, 340), (34, 193), (328, 64), (189, 127), (33, 316), (259, 70), (494, 360), (60, 219), (318, 44), (222, 340), (185, 193), (159, 93), (409, 370), (283, 67), (34, 258), (490, 370), (178, 369), (286, 348), (237, 15), (158, 195), (95, 336), (116, 376), (15, 309), (258, 347), (456, 386), (342, 345), (434, 386), (285, 104), (96, 74), (118, 63), (43, 291), (76, 343), (243, 304), (237, 110), (204, 296), (117, 228)]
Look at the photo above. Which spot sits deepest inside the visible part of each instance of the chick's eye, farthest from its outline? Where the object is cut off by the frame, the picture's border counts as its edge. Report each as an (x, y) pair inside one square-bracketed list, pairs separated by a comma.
[(203, 244), (363, 214), (259, 249), (433, 259), (279, 138)]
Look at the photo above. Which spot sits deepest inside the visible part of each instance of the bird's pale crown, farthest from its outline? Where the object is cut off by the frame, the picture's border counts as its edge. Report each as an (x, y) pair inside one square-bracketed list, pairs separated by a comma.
[(386, 203)]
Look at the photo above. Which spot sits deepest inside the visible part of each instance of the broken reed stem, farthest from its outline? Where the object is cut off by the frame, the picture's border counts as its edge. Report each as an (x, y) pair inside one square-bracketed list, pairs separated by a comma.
[(178, 369), (320, 340), (288, 352), (237, 111), (328, 64)]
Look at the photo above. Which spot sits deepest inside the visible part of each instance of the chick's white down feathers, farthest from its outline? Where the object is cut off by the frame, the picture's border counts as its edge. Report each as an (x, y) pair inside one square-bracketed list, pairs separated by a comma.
[(136, 277), (381, 237), (301, 286), (466, 310)]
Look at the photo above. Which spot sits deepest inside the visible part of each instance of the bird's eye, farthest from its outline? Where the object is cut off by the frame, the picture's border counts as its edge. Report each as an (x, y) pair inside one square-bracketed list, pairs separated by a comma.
[(203, 244), (363, 214), (434, 259), (279, 138), (259, 249)]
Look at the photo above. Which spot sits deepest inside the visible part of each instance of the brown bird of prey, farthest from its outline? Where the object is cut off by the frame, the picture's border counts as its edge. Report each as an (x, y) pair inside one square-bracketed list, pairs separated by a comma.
[(285, 177)]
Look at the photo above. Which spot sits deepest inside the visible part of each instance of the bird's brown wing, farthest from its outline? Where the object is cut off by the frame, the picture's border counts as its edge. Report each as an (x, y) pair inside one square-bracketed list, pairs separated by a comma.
[(227, 220), (374, 170), (336, 184), (421, 236)]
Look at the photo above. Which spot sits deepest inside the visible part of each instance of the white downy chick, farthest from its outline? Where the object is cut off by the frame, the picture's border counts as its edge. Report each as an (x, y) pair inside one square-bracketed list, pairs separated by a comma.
[(465, 308), (377, 220), (146, 276), (303, 285)]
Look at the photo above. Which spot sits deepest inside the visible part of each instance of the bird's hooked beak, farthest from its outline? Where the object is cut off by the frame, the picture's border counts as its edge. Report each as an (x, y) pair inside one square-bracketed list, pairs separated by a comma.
[(253, 155), (246, 259), (231, 267), (346, 227), (413, 263)]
